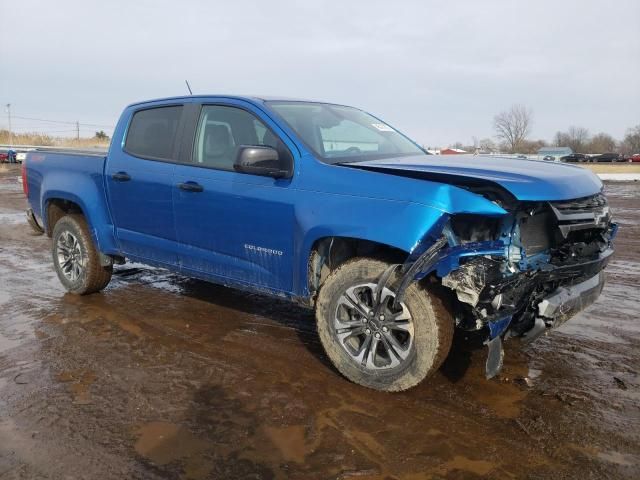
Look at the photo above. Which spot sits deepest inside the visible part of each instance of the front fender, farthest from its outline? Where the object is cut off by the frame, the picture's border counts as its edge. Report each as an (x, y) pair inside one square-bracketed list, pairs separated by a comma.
[(85, 191), (407, 226)]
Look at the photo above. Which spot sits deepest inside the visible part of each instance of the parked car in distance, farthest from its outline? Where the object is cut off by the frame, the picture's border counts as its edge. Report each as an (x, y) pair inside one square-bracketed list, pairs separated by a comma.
[(21, 156), (574, 157), (634, 158), (606, 157), (4, 157), (549, 158), (330, 207)]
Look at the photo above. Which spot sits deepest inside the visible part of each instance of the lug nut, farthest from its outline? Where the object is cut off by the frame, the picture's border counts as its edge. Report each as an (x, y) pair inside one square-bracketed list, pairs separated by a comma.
[(364, 320), (367, 331), (385, 329), (381, 317), (377, 335)]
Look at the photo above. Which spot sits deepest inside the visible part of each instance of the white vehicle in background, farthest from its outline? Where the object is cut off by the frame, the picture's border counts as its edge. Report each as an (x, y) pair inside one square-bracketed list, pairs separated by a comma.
[(21, 157)]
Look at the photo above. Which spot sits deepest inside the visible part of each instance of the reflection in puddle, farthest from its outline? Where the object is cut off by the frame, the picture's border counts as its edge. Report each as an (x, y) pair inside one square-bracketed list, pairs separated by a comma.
[(464, 464), (79, 384), (290, 441), (12, 218), (163, 443)]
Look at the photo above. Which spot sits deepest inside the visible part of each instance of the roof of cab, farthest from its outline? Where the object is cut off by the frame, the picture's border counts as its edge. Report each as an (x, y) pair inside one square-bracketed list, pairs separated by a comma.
[(253, 98)]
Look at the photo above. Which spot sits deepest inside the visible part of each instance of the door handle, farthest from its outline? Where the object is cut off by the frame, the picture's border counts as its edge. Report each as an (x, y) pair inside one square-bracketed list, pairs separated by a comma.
[(190, 187), (121, 177)]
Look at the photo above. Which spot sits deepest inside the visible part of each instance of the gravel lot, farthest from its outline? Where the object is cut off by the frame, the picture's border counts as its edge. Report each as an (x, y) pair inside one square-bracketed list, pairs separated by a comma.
[(162, 377)]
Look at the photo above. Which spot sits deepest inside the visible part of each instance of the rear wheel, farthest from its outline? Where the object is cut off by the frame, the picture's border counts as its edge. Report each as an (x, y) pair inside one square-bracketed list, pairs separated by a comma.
[(75, 257), (392, 349)]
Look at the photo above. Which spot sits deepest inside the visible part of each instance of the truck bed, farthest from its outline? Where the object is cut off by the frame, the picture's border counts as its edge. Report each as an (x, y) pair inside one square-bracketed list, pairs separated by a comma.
[(94, 152), (60, 170)]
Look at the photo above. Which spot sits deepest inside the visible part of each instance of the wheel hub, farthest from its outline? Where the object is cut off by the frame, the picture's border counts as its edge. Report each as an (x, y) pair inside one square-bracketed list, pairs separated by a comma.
[(71, 257), (377, 336)]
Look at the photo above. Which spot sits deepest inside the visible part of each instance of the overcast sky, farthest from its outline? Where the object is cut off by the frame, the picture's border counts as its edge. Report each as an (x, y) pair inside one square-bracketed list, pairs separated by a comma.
[(437, 70)]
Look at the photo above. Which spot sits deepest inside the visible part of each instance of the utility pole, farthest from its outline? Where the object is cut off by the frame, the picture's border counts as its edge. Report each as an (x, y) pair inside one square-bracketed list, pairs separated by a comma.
[(77, 130), (9, 118)]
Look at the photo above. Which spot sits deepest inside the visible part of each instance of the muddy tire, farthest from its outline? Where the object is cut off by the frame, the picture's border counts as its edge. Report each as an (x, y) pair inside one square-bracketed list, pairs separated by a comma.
[(75, 257), (393, 353)]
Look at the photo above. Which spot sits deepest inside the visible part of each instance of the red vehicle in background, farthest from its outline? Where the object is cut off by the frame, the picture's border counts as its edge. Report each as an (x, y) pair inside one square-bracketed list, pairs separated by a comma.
[(8, 156), (634, 158)]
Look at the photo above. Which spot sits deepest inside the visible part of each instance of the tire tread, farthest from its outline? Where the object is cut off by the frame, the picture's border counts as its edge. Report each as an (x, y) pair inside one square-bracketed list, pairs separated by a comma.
[(428, 301)]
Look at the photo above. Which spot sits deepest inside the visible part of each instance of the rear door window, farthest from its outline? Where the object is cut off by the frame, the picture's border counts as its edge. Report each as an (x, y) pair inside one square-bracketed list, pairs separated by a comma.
[(152, 132)]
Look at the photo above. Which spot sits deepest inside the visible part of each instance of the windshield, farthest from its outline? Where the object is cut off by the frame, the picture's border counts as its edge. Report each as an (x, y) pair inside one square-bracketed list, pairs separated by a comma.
[(339, 134)]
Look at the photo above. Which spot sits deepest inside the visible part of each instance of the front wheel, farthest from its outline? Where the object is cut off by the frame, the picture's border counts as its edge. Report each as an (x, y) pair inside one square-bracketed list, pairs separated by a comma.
[(392, 349), (75, 258)]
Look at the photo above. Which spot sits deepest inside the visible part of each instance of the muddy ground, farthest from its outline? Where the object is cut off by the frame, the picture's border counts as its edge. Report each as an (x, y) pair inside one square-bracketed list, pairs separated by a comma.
[(162, 377)]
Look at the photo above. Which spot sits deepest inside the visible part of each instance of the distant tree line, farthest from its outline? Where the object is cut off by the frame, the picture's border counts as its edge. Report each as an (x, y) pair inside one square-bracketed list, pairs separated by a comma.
[(513, 127), (100, 135)]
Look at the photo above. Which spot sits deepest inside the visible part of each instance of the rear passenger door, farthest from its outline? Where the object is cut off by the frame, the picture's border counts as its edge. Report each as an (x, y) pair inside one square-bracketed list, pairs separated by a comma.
[(139, 176), (234, 226)]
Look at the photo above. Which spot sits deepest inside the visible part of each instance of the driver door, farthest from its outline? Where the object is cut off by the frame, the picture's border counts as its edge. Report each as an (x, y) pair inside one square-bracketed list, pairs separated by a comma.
[(234, 226)]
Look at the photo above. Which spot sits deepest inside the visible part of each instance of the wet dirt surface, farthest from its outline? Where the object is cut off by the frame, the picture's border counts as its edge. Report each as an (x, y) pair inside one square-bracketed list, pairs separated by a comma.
[(162, 377)]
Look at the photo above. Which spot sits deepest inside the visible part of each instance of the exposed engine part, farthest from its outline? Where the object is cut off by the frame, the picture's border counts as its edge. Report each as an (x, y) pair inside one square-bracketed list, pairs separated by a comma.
[(514, 254), (470, 279), (535, 232), (496, 303), (471, 228), (550, 269)]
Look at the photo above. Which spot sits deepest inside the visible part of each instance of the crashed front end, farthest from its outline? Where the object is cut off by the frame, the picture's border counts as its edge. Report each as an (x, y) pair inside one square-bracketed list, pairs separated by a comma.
[(523, 273)]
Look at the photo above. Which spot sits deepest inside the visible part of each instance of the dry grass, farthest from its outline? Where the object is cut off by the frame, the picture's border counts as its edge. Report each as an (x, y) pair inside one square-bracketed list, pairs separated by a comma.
[(82, 143), (611, 167), (43, 140)]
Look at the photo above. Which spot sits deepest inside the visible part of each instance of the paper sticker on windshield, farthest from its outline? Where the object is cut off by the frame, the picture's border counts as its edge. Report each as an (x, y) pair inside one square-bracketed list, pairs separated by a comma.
[(382, 127)]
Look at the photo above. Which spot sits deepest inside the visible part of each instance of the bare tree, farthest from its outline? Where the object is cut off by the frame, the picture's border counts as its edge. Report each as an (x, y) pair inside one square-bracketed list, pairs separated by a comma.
[(513, 126), (487, 145), (576, 138), (602, 143), (532, 146), (631, 143)]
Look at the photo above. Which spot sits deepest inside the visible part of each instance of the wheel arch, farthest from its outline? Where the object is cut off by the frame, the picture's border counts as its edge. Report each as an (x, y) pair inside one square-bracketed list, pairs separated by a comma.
[(87, 199), (329, 252), (56, 208)]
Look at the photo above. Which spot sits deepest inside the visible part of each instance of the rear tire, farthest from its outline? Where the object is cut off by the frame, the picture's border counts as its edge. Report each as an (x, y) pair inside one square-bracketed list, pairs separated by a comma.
[(75, 258), (421, 339)]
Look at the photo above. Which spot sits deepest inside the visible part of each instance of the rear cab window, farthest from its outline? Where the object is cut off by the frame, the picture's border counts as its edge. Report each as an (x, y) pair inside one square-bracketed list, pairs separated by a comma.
[(153, 132)]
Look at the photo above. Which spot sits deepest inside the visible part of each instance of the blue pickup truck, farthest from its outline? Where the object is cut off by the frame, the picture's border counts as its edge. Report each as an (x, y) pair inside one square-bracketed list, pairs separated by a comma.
[(333, 208)]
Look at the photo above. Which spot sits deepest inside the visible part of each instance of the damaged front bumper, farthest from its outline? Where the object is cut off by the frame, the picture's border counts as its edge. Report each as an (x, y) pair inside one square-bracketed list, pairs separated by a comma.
[(565, 302), (505, 288)]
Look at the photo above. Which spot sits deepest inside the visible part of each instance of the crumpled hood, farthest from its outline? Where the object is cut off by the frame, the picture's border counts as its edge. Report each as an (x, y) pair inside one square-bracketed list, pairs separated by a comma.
[(527, 180)]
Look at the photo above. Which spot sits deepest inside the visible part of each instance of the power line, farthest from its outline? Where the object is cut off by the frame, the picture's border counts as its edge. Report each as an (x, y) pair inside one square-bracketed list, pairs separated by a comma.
[(42, 132), (61, 121), (53, 129)]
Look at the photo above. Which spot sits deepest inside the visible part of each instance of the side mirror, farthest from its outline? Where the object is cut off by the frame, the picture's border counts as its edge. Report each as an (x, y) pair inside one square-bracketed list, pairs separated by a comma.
[(261, 160)]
